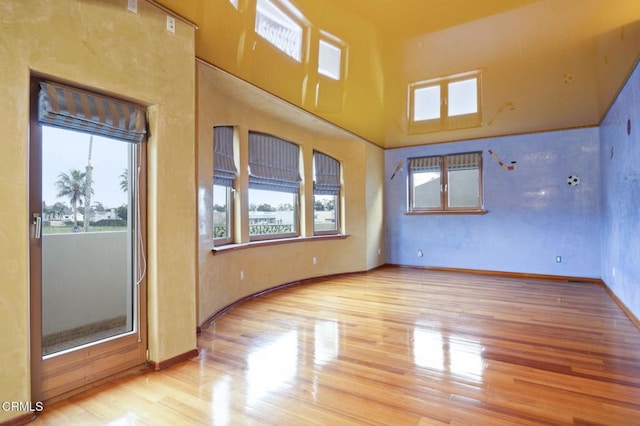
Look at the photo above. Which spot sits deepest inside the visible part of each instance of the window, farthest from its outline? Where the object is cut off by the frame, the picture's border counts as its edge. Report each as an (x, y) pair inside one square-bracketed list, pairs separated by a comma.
[(445, 104), (274, 185), (449, 183), (329, 59), (224, 172), (326, 194), (280, 28), (426, 103)]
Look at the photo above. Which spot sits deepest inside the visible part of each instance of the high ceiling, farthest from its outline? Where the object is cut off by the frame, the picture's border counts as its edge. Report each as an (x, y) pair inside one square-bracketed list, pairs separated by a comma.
[(545, 64), (405, 18)]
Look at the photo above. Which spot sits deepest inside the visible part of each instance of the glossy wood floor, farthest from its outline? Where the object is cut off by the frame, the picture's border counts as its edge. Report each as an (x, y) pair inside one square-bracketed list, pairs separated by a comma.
[(395, 346)]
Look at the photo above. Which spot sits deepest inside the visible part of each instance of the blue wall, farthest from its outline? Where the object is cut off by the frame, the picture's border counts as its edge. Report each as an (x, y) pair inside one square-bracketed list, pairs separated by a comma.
[(621, 195), (533, 214)]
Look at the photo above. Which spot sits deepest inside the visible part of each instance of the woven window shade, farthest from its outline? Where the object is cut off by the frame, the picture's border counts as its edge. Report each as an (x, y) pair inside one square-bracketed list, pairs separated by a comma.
[(224, 168), (70, 108), (274, 164), (466, 161), (424, 164), (327, 175)]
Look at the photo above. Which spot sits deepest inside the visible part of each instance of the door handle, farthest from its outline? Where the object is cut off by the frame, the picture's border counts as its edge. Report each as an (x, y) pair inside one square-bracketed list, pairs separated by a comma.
[(37, 221)]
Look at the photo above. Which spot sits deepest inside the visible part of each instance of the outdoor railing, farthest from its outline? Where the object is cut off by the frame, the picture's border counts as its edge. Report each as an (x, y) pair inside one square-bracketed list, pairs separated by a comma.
[(270, 229)]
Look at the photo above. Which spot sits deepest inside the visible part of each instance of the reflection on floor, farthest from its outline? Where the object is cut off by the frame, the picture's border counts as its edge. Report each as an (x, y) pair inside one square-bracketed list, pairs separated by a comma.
[(395, 346)]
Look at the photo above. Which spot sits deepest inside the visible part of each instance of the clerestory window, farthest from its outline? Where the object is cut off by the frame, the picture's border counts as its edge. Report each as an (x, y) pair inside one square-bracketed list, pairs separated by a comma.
[(329, 59), (276, 22), (445, 103)]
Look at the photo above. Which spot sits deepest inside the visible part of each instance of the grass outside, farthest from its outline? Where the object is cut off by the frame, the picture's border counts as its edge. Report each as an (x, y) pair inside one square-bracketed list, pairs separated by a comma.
[(68, 229)]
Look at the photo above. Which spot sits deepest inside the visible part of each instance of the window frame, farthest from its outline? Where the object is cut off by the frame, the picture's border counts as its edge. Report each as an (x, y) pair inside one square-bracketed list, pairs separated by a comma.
[(444, 207), (445, 121), (227, 174), (229, 195), (290, 165), (277, 236), (337, 210), (337, 204), (132, 345)]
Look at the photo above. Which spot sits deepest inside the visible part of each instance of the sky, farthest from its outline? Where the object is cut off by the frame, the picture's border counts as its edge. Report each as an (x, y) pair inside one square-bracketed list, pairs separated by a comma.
[(63, 150)]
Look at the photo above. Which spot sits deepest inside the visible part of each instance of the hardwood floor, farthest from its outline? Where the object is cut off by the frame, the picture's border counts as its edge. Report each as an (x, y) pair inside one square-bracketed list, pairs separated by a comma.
[(395, 346)]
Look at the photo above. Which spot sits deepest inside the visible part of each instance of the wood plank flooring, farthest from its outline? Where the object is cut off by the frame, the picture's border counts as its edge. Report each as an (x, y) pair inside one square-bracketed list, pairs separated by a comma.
[(395, 346)]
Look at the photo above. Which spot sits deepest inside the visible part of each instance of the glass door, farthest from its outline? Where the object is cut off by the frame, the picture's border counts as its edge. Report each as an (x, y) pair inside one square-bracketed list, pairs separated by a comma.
[(87, 231), (87, 257)]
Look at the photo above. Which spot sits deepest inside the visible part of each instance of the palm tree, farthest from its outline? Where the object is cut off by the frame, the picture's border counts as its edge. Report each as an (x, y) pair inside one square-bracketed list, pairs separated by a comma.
[(72, 185), (58, 210), (87, 188), (124, 180)]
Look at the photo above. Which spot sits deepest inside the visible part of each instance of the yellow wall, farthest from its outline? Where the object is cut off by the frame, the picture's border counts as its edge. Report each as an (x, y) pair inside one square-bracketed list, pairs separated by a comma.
[(265, 267), (375, 250), (99, 44)]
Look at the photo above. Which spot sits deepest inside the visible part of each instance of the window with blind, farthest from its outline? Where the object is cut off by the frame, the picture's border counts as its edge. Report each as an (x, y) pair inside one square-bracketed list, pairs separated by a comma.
[(274, 185), (75, 109), (448, 183), (326, 194), (224, 173)]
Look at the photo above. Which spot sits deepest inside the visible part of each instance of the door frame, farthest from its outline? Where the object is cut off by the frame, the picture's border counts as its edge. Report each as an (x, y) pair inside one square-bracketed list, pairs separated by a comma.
[(60, 375)]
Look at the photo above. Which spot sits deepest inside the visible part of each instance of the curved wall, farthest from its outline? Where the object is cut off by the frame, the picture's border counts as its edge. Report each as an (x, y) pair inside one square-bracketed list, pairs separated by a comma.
[(225, 100)]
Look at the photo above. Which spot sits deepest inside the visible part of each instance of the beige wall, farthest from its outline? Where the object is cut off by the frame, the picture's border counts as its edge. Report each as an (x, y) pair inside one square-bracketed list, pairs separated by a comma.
[(99, 44), (376, 242), (222, 103), (96, 288)]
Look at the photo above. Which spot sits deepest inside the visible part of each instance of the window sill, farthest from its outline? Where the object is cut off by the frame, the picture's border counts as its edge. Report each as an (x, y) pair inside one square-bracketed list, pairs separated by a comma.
[(447, 212), (241, 246)]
